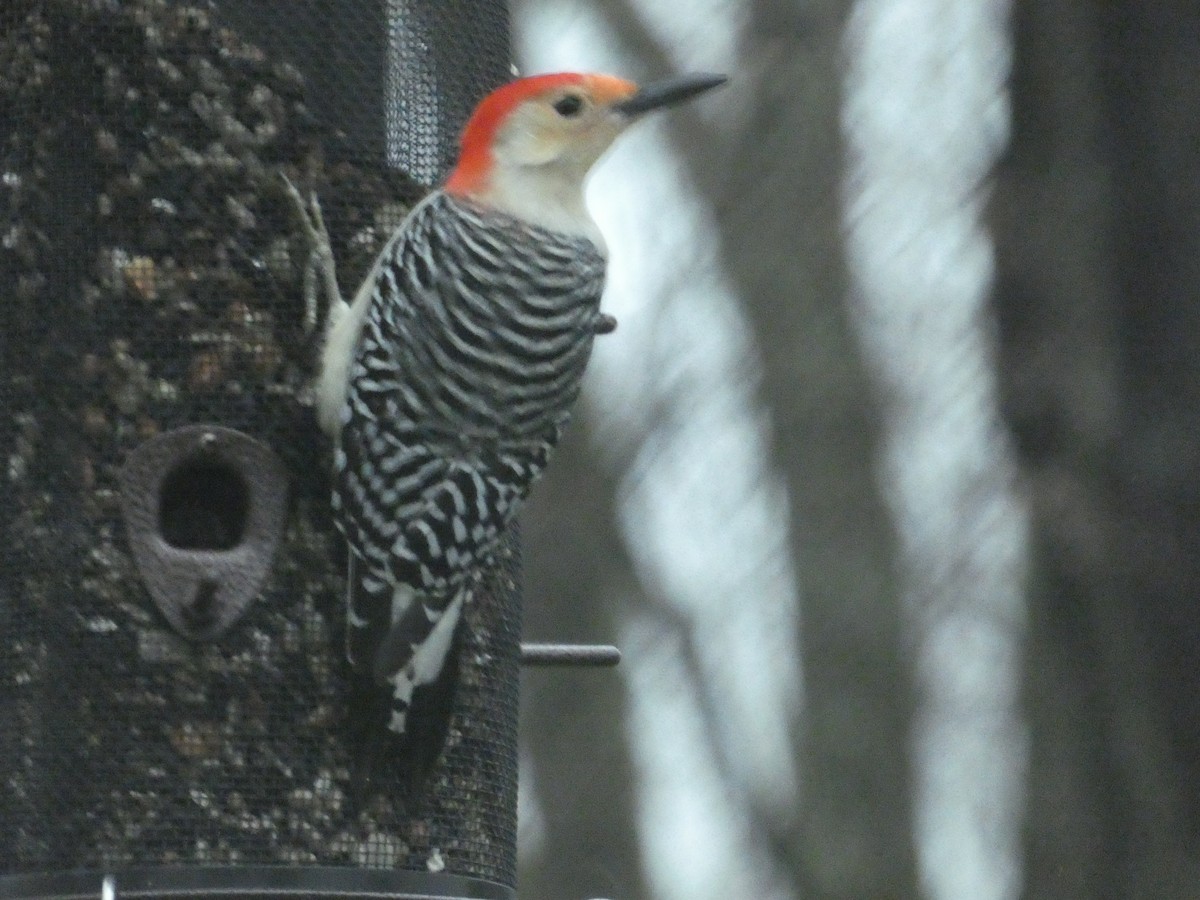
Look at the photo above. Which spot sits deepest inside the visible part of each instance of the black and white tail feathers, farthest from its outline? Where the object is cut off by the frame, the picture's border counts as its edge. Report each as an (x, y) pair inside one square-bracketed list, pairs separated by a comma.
[(398, 730), (417, 635)]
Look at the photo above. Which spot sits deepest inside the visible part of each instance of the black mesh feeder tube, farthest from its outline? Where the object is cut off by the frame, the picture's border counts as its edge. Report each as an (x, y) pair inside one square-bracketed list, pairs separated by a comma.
[(176, 715)]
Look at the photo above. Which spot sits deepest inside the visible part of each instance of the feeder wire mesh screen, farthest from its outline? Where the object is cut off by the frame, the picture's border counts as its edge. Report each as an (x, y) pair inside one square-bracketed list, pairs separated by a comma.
[(152, 275)]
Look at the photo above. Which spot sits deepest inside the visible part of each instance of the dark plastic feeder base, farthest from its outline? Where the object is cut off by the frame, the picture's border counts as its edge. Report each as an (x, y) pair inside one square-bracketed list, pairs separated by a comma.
[(250, 883)]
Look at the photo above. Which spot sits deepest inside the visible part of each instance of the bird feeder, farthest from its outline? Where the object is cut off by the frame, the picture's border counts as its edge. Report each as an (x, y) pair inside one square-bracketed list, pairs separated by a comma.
[(174, 711)]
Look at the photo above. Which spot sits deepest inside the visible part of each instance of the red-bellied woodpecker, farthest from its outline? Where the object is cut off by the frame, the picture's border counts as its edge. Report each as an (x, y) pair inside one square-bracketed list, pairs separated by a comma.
[(446, 383)]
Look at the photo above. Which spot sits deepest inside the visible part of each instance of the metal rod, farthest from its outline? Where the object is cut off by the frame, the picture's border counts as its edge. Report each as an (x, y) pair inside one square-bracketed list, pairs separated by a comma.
[(574, 655)]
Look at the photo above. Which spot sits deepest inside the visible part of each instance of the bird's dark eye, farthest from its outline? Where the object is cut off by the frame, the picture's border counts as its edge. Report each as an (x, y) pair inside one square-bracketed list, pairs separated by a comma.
[(569, 105)]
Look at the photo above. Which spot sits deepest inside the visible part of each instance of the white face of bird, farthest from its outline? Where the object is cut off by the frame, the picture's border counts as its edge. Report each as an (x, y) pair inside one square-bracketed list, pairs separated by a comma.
[(566, 129)]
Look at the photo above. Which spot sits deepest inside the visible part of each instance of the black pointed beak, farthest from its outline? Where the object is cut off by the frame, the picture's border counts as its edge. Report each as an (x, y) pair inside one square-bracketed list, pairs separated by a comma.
[(668, 92)]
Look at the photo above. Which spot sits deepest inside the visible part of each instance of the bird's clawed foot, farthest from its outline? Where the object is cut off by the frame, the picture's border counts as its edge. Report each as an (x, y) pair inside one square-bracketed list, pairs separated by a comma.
[(605, 324), (320, 263)]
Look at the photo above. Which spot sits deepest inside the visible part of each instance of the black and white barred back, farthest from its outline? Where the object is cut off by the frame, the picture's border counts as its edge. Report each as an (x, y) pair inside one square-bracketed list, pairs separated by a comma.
[(470, 358)]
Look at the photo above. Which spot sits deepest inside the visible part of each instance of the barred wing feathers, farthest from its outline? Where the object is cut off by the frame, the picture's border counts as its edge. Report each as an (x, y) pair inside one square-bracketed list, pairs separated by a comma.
[(470, 357)]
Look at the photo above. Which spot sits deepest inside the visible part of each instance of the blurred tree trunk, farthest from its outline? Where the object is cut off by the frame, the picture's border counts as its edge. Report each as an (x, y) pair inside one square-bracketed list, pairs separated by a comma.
[(773, 184), (1097, 213), (776, 187)]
